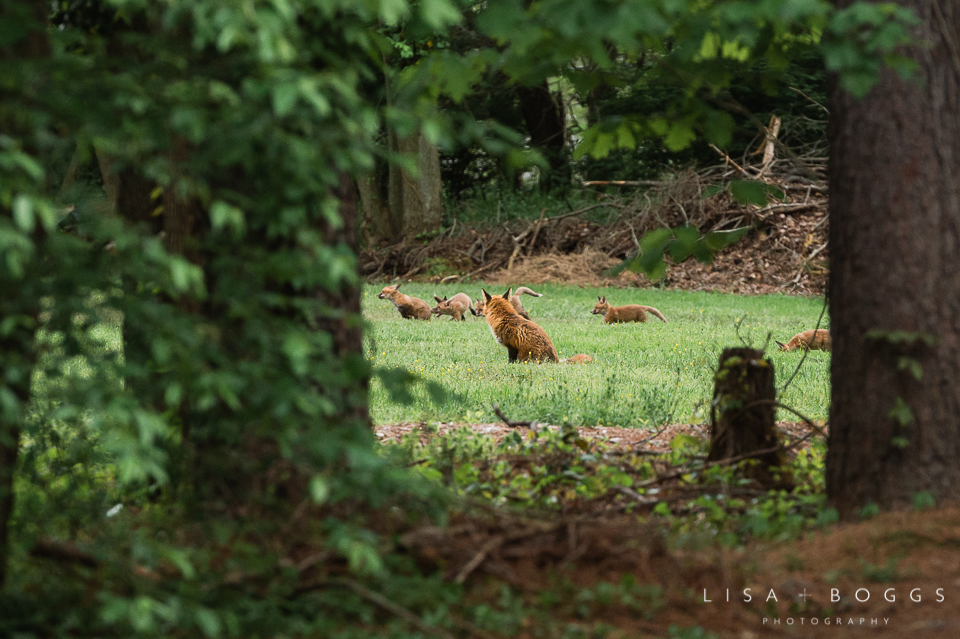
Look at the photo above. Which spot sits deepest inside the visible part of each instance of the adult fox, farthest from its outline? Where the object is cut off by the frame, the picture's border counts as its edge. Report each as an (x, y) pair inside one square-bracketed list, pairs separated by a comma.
[(524, 339), (514, 300), (409, 307), (814, 340), (629, 313), (456, 306)]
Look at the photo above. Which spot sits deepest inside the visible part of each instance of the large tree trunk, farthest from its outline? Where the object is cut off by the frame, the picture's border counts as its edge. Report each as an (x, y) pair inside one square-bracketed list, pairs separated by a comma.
[(18, 352), (895, 279), (415, 199)]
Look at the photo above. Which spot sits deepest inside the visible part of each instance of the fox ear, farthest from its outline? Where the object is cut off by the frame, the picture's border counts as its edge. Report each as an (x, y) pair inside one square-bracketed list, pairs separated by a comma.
[(486, 296), (437, 297), (444, 298), (506, 295), (781, 345), (599, 299), (603, 299), (396, 287)]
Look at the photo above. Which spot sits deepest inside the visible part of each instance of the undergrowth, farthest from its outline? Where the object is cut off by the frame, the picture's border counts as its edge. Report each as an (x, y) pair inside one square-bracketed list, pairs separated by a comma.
[(557, 470)]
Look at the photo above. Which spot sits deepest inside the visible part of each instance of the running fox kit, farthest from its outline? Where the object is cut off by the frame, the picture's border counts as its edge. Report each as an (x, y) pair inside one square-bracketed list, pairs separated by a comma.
[(457, 306), (514, 300), (629, 313), (409, 307), (814, 340), (523, 339)]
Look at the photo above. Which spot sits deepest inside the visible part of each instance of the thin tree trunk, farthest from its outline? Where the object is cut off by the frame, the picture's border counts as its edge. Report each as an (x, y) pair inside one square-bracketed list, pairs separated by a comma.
[(180, 211), (376, 212), (895, 279), (544, 117)]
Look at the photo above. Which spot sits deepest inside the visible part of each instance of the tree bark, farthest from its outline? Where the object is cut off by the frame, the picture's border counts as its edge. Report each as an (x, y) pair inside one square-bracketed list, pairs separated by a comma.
[(18, 350), (376, 211), (742, 417), (894, 236), (415, 200)]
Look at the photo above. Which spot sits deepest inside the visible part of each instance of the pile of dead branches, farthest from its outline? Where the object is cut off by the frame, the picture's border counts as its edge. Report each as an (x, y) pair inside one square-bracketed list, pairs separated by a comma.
[(786, 250)]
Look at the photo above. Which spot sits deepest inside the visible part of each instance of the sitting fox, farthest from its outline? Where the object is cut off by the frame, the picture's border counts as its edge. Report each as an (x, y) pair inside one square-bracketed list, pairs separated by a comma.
[(456, 306), (409, 307), (629, 313), (814, 340), (514, 300), (524, 339)]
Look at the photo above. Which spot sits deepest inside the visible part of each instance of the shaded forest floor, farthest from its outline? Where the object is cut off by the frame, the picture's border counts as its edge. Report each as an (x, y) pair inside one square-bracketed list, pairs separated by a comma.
[(604, 572)]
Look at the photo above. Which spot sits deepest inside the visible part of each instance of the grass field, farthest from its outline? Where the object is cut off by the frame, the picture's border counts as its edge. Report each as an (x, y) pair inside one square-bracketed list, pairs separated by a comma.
[(643, 374)]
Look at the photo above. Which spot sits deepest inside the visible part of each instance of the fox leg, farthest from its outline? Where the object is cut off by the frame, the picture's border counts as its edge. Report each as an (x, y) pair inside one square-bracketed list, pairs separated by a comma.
[(512, 354)]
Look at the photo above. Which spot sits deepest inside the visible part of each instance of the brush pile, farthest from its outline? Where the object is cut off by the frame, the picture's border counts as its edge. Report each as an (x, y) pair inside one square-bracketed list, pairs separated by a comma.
[(785, 251)]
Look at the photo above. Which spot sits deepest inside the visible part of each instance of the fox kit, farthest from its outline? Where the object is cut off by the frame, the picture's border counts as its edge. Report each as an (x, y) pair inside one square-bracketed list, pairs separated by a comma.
[(514, 300), (456, 306), (629, 313), (409, 307), (814, 340), (523, 339)]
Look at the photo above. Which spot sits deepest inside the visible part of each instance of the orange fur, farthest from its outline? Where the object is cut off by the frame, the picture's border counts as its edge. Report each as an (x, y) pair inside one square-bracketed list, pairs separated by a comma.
[(456, 306), (629, 313), (814, 340), (409, 307), (524, 339), (514, 301)]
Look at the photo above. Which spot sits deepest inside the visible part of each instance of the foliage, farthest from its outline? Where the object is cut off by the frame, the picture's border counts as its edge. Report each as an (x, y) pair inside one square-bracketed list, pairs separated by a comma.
[(193, 418), (183, 404)]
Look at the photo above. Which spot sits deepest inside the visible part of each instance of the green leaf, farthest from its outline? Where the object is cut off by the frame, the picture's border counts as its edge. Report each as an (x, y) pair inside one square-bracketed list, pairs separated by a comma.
[(208, 621), (911, 365), (284, 98), (319, 489), (439, 14), (23, 212), (680, 135), (901, 412), (924, 501), (753, 192), (719, 127), (298, 349), (224, 215), (684, 442)]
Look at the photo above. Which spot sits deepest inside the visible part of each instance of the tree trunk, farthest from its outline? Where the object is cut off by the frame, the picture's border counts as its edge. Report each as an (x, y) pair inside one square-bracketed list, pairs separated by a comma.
[(544, 117), (376, 211), (415, 200), (895, 279), (742, 419), (18, 351)]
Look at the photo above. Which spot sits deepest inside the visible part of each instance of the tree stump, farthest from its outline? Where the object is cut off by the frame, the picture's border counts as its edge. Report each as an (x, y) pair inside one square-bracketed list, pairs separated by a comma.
[(742, 414)]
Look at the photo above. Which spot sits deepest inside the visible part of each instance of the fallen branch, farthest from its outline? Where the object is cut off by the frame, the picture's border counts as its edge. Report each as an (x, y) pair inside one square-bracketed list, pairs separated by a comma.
[(625, 183), (719, 462), (492, 544), (523, 424), (63, 552), (393, 608)]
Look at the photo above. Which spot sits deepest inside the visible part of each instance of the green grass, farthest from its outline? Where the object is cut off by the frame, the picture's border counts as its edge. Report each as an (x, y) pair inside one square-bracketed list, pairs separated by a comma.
[(643, 374)]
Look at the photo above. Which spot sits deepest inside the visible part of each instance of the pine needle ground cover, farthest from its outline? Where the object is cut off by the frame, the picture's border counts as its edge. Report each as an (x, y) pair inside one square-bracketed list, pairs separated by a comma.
[(642, 376)]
